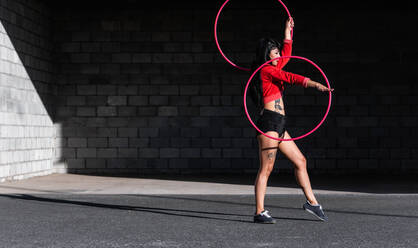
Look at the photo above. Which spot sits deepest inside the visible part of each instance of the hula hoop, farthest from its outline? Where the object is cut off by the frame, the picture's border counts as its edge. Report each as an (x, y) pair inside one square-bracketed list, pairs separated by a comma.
[(296, 57), (216, 35)]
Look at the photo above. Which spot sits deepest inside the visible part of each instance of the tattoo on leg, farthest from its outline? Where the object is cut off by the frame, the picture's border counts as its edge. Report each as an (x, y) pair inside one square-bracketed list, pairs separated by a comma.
[(270, 155), (277, 105)]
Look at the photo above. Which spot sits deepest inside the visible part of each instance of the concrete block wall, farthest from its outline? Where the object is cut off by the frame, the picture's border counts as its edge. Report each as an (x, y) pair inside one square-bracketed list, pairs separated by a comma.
[(26, 128), (144, 89), (141, 97)]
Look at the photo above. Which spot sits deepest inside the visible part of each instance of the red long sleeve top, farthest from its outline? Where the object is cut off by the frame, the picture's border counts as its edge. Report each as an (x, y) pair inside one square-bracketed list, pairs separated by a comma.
[(273, 77)]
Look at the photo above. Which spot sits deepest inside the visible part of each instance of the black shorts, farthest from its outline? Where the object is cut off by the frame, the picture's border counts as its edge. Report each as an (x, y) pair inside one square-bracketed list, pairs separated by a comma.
[(271, 121)]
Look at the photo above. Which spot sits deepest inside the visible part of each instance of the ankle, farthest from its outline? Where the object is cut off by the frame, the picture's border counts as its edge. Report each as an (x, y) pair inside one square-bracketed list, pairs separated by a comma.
[(259, 212), (314, 203)]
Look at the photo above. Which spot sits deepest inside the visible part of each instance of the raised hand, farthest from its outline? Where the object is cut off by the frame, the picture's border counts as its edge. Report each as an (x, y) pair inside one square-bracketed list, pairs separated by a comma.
[(289, 24)]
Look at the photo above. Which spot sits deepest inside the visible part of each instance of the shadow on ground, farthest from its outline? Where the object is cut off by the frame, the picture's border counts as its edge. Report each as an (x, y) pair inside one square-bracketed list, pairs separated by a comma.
[(362, 183)]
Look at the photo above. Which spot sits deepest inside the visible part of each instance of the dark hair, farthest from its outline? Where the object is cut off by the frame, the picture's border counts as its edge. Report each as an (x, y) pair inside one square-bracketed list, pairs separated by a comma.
[(265, 45)]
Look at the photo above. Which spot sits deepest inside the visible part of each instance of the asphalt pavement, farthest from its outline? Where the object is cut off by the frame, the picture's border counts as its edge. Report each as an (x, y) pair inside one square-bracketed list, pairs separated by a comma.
[(64, 210)]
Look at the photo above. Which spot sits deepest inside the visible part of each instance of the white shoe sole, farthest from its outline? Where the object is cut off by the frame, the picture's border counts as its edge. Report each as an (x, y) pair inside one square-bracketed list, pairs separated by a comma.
[(311, 212)]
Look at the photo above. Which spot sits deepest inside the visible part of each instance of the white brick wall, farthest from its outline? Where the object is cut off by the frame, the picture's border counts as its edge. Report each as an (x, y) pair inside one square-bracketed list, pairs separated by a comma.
[(26, 130)]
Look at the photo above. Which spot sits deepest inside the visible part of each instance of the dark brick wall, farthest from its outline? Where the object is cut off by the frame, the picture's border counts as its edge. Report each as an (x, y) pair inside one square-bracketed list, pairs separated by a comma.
[(143, 89)]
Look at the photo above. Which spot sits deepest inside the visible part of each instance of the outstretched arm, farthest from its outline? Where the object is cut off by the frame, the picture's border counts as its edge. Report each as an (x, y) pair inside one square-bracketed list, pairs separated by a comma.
[(318, 86), (293, 78)]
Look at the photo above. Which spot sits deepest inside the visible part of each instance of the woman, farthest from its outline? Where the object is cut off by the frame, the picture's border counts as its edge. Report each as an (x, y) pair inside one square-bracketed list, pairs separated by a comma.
[(266, 92)]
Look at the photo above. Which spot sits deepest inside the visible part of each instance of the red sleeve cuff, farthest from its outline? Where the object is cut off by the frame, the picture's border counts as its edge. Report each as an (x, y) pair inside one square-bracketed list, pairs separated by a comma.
[(287, 41), (305, 82)]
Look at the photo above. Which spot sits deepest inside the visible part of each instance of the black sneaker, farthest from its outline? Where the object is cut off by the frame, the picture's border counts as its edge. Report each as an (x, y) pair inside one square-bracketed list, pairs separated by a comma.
[(316, 210), (264, 217)]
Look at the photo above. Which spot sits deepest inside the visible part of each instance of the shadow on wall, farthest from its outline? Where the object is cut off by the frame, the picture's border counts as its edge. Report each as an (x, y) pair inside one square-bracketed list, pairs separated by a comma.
[(137, 89), (133, 85)]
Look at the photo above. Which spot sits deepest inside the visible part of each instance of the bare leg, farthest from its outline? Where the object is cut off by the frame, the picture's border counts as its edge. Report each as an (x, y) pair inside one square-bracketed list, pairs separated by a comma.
[(267, 154), (292, 152), (260, 189), (302, 178)]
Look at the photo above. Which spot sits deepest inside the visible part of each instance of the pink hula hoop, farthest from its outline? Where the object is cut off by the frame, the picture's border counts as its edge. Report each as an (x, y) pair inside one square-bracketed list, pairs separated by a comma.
[(216, 35), (296, 57)]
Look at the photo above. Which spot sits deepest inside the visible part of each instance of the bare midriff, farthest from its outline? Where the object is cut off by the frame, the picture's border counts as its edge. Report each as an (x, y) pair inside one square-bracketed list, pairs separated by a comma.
[(276, 106)]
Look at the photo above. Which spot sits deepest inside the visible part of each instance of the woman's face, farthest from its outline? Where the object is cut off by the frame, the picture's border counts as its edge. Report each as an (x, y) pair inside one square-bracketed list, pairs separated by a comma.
[(274, 53)]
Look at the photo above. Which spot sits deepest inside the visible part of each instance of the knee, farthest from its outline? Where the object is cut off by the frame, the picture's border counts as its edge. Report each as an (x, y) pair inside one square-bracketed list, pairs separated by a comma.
[(301, 163), (267, 169)]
